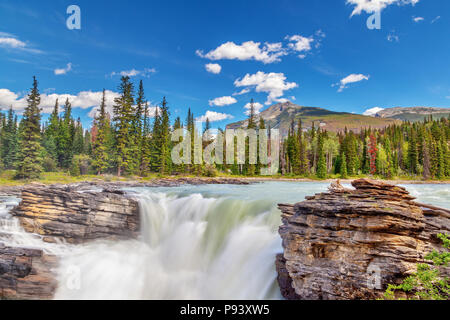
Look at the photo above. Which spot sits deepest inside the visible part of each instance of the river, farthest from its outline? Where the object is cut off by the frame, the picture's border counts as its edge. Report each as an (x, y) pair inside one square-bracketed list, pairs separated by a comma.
[(197, 242)]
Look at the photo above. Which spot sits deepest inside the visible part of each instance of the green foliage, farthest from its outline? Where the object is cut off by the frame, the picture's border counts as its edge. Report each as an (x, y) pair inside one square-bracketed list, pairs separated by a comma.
[(80, 165), (29, 160), (428, 283), (124, 115), (321, 165), (343, 171), (49, 164), (101, 147), (138, 142), (209, 171)]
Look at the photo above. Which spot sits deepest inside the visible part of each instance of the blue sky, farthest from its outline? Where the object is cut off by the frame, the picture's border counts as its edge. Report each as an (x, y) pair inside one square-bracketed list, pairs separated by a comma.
[(314, 53)]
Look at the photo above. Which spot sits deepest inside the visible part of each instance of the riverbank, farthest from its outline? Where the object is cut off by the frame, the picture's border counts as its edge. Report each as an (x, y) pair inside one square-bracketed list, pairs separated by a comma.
[(7, 181)]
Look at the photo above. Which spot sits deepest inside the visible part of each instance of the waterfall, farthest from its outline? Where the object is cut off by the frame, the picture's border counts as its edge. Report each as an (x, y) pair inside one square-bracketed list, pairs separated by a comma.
[(191, 247), (204, 242)]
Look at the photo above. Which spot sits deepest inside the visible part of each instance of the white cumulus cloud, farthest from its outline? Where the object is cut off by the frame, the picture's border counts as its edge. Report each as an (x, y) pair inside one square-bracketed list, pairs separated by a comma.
[(371, 6), (352, 78), (83, 100), (300, 43), (222, 101), (256, 106), (372, 111), (134, 73), (63, 70), (250, 50), (213, 68), (274, 84), (213, 116)]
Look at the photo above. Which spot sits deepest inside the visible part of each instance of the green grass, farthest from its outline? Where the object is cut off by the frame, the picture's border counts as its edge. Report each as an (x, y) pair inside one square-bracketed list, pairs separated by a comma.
[(7, 178)]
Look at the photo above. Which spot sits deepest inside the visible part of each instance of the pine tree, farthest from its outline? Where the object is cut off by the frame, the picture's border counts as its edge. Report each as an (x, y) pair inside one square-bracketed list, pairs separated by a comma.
[(51, 135), (251, 118), (29, 161), (123, 117), (137, 128), (165, 166), (426, 159), (321, 163), (343, 170), (10, 140), (66, 136), (155, 145), (373, 154), (303, 155), (78, 140), (100, 148), (413, 154), (145, 146)]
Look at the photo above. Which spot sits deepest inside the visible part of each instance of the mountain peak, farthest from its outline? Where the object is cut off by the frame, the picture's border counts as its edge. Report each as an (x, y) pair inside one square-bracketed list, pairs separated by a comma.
[(280, 116)]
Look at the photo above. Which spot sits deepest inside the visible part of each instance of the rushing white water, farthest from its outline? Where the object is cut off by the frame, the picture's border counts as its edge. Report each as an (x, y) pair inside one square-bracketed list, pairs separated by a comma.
[(197, 242)]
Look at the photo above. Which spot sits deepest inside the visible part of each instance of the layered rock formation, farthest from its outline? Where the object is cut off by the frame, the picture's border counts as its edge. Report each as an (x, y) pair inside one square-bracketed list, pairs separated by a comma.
[(66, 213), (26, 273), (72, 214), (349, 244)]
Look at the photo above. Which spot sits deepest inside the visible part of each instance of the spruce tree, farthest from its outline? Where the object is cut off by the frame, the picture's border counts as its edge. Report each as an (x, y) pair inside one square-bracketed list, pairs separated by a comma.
[(145, 143), (123, 117), (29, 161), (155, 145), (10, 140), (164, 138), (137, 127), (78, 140), (343, 170), (100, 148), (321, 162)]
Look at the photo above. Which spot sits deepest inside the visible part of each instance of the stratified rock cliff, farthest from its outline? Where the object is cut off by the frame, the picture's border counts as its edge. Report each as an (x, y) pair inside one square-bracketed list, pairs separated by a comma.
[(65, 213), (26, 273), (349, 244)]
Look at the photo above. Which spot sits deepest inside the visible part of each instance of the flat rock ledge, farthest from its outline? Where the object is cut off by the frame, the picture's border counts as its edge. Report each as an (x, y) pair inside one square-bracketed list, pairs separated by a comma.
[(68, 214), (350, 244)]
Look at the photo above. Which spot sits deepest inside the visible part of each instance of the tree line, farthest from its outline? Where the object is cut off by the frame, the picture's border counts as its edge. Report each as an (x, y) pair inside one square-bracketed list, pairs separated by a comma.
[(136, 140), (407, 149)]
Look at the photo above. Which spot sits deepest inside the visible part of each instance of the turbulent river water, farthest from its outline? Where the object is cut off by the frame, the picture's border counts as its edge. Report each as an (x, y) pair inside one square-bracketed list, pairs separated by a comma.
[(197, 242)]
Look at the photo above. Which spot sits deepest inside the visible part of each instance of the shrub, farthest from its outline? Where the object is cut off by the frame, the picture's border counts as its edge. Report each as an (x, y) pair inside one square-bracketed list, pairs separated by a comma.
[(49, 164), (428, 283), (81, 165), (209, 171)]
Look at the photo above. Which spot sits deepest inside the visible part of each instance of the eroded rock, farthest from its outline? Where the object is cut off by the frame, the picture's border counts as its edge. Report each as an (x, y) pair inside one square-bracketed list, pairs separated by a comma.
[(65, 213), (26, 273), (349, 244)]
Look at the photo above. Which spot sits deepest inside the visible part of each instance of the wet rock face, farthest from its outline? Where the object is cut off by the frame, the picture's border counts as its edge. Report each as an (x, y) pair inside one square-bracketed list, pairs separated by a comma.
[(65, 213), (349, 244), (26, 274)]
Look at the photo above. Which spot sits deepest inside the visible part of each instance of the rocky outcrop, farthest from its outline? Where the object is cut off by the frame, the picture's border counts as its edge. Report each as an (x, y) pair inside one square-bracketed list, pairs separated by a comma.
[(66, 213), (26, 274), (74, 214), (349, 244)]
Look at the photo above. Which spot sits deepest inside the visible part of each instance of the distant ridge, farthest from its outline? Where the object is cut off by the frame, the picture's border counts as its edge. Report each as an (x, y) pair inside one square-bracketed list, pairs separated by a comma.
[(280, 115), (413, 114)]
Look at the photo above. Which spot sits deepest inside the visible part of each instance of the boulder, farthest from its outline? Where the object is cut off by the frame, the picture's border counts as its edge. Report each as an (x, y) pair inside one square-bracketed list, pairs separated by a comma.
[(350, 244)]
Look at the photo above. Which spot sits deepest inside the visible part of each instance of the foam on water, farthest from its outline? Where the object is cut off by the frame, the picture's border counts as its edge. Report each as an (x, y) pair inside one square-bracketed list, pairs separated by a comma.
[(197, 242)]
